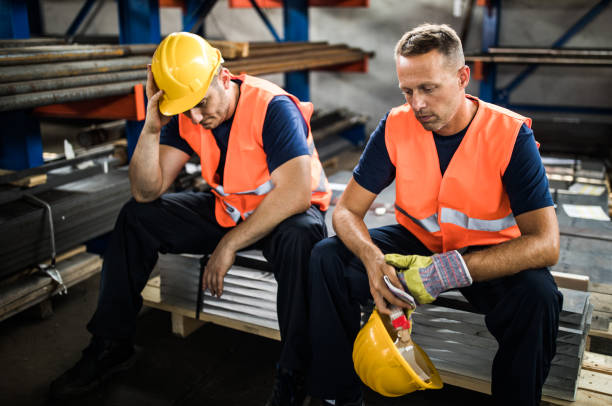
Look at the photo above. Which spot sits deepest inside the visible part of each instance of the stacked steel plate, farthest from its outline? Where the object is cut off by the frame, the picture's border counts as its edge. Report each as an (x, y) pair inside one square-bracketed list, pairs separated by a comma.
[(81, 210)]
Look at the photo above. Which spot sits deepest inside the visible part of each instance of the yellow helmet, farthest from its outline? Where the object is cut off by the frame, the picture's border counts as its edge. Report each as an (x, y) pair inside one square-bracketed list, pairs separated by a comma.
[(183, 66), (381, 366)]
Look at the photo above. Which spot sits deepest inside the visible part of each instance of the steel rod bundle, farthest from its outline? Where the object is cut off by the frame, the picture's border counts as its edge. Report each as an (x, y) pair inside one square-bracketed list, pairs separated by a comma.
[(32, 76), (81, 210)]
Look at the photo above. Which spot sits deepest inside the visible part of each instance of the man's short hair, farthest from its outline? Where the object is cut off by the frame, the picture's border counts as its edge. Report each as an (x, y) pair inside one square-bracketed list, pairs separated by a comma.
[(429, 37)]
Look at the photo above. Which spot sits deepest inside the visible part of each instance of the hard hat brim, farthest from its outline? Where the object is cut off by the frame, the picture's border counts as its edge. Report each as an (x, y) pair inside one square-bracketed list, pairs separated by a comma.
[(170, 107)]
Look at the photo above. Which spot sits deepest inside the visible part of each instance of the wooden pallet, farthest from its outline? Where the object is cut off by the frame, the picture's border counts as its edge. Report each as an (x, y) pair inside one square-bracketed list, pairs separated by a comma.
[(594, 386), (34, 288)]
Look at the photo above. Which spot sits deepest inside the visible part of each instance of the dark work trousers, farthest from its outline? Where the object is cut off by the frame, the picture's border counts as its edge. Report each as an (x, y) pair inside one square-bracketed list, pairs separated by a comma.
[(185, 223), (521, 312)]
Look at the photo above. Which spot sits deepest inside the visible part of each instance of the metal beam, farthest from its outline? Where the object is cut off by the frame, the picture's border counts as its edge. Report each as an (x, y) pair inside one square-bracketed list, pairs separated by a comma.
[(138, 24), (266, 21), (14, 19), (195, 14), (79, 18), (295, 19), (20, 141), (490, 38)]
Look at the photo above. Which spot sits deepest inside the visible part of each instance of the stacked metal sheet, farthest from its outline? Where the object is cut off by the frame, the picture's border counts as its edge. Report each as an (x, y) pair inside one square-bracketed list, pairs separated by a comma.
[(81, 210), (249, 295), (577, 181), (458, 341)]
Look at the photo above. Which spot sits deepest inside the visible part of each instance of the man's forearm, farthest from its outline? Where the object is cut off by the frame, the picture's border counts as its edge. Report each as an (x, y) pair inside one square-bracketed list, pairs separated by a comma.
[(525, 252), (145, 170), (353, 232)]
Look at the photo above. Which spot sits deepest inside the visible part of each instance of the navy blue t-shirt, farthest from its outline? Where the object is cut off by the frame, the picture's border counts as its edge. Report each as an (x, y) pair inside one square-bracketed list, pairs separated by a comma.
[(525, 178), (285, 134)]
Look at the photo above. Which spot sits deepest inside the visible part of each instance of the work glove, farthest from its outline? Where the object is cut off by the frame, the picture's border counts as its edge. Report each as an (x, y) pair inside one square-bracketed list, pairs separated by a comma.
[(426, 277)]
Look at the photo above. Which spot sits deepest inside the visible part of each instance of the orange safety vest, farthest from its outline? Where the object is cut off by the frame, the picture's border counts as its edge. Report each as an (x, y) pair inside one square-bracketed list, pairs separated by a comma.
[(469, 204), (246, 179)]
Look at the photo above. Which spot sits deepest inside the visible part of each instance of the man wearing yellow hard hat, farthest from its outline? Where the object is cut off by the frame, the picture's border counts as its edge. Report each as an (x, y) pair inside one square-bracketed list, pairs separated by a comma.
[(473, 212), (268, 190)]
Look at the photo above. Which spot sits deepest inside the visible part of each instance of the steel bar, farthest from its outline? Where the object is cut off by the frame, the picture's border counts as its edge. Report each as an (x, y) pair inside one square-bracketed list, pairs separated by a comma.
[(312, 54), (266, 21), (546, 51), (62, 53), (271, 51), (30, 100), (26, 42), (268, 44), (299, 64), (71, 81), (522, 59), (76, 23), (23, 87), (52, 70)]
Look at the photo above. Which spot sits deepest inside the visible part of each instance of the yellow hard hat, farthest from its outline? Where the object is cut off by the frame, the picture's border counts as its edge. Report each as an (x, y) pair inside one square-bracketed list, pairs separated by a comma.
[(382, 367), (183, 66)]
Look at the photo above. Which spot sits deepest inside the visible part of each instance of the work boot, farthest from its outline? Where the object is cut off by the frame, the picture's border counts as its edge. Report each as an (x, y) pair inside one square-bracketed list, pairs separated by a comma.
[(101, 359), (288, 388)]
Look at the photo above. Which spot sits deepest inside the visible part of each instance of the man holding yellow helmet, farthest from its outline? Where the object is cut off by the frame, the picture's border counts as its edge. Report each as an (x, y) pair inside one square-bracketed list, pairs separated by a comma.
[(268, 190), (473, 211)]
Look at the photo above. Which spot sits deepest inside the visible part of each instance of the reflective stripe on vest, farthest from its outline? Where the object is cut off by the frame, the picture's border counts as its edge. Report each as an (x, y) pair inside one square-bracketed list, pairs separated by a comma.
[(428, 224), (258, 191), (233, 212), (462, 220)]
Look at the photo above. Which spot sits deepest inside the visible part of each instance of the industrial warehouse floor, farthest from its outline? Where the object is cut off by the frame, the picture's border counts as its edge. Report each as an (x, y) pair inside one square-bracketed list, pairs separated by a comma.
[(213, 366)]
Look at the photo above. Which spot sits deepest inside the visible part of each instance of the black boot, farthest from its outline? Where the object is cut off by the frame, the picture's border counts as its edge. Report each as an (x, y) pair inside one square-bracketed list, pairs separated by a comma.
[(101, 359), (288, 390)]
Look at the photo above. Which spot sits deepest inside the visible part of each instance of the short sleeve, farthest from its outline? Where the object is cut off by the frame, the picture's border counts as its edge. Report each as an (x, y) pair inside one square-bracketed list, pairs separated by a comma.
[(375, 171), (285, 132), (525, 177), (170, 136)]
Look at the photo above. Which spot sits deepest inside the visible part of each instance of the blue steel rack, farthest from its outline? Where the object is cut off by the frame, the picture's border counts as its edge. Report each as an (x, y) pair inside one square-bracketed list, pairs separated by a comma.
[(490, 39)]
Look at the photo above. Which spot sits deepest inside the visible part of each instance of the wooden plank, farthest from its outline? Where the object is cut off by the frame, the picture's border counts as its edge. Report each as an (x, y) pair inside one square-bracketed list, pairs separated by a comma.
[(583, 398), (231, 49), (601, 287), (597, 362), (602, 302), (73, 271), (601, 324), (462, 381), (596, 382), (607, 334), (182, 326), (59, 258), (28, 181), (571, 281)]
